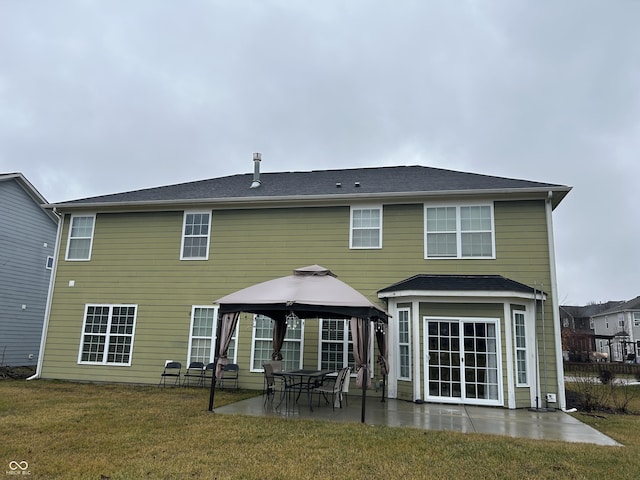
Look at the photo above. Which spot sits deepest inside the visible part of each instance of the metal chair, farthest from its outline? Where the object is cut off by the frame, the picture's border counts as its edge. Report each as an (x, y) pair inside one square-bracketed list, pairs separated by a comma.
[(194, 370), (171, 370), (271, 383), (230, 375), (345, 387), (333, 387), (208, 373)]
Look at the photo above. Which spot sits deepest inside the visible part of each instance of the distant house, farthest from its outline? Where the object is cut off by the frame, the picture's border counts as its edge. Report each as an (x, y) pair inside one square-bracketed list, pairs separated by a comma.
[(27, 248), (622, 324), (578, 334), (454, 257)]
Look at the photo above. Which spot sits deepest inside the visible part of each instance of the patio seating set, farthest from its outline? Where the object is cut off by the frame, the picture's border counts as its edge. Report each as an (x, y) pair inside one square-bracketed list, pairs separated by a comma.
[(293, 383), (198, 374)]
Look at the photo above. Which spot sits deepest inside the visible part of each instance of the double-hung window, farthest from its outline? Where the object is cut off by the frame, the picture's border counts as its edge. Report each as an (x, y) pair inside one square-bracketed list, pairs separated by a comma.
[(366, 227), (80, 239), (107, 334), (202, 337), (520, 341), (636, 319), (465, 231), (404, 345), (263, 344), (336, 344), (195, 236)]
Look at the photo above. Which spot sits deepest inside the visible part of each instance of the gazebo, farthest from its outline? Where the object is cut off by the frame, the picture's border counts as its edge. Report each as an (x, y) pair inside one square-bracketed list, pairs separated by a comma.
[(311, 292)]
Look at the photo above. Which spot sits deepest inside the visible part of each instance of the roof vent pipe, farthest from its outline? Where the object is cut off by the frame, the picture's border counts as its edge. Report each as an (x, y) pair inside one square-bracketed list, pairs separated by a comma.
[(257, 157)]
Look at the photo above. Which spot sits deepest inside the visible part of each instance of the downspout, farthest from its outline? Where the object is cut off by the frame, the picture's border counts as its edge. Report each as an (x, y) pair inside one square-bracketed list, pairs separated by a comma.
[(47, 313), (555, 303)]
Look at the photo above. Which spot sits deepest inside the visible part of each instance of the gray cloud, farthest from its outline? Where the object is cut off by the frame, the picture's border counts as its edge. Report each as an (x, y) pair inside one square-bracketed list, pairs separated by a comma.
[(101, 97)]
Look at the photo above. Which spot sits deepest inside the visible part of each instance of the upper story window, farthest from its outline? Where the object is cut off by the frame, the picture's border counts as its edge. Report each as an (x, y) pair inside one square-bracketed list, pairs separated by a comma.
[(636, 319), (459, 231), (80, 237), (107, 334), (195, 236), (366, 227)]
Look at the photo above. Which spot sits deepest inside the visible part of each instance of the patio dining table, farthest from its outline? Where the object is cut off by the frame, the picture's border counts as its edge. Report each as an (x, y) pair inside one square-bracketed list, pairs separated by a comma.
[(300, 381)]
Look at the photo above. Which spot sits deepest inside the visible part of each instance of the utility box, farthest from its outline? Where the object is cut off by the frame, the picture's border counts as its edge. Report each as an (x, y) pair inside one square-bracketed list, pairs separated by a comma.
[(551, 397)]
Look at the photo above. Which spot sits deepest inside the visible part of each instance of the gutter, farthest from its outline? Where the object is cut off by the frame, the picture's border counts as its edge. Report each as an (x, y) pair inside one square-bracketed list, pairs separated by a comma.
[(265, 201), (47, 314)]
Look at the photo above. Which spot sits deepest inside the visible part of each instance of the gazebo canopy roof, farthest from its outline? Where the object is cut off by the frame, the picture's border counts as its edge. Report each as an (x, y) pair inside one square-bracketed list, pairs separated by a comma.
[(312, 291)]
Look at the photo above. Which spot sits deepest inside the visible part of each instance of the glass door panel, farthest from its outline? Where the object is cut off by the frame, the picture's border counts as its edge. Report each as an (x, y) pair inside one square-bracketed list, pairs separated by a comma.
[(462, 361)]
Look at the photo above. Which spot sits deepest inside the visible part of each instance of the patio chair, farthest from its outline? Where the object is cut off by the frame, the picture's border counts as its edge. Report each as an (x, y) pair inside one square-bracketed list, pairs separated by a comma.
[(171, 370), (230, 375), (333, 386), (207, 373), (345, 387), (272, 384), (194, 370)]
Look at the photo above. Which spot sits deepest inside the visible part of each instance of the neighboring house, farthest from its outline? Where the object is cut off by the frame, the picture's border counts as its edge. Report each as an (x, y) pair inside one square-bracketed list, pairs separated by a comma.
[(621, 324), (27, 247), (458, 260), (578, 335)]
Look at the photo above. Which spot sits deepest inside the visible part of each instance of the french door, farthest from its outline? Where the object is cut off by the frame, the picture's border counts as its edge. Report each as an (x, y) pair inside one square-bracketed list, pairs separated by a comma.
[(462, 361)]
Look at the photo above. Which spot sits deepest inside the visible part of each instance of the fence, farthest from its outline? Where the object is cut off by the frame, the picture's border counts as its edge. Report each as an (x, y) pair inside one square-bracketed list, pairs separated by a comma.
[(617, 369)]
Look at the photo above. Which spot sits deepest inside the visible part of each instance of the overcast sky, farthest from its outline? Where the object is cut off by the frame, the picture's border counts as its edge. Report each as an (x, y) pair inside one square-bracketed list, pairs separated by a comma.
[(108, 96)]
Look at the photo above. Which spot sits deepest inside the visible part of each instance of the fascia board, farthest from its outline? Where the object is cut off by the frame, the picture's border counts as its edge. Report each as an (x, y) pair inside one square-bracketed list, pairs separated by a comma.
[(460, 294), (319, 200)]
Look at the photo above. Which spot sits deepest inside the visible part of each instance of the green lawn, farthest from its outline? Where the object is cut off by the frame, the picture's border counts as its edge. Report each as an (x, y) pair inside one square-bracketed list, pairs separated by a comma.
[(70, 430)]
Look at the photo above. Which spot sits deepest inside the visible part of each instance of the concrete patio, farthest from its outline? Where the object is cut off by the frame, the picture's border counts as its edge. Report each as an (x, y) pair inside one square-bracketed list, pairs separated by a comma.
[(523, 423)]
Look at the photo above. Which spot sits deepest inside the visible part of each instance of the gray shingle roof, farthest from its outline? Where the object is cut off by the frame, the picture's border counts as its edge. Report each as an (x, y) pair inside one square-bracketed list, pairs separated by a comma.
[(623, 307), (324, 183), (425, 282)]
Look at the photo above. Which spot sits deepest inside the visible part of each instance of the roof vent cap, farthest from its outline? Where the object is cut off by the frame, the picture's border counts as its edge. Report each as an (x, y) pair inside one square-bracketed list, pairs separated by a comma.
[(257, 157), (357, 184)]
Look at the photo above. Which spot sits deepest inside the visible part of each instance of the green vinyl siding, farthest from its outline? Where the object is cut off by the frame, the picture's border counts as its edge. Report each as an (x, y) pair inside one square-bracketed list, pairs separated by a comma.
[(136, 260)]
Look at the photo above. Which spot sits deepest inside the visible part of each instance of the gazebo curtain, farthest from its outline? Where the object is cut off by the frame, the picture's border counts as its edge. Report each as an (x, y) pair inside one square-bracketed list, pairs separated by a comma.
[(227, 327), (279, 332), (361, 339)]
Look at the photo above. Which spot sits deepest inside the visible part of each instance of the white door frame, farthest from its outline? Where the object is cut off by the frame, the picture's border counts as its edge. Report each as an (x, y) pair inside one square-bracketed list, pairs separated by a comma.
[(499, 401)]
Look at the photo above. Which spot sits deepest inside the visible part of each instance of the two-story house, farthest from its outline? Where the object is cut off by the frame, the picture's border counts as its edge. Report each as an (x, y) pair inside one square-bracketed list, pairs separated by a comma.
[(578, 334), (464, 263), (27, 245), (619, 327)]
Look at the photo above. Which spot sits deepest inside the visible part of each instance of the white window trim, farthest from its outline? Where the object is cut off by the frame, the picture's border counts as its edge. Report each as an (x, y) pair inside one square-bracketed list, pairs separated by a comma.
[(351, 227), (458, 232), (184, 227), (214, 333), (345, 343), (69, 238), (408, 311), (107, 334), (525, 349), (253, 344), (636, 319)]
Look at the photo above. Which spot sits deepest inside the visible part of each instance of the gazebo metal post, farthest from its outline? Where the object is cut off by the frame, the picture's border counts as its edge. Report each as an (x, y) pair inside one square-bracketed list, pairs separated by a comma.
[(212, 391), (365, 362)]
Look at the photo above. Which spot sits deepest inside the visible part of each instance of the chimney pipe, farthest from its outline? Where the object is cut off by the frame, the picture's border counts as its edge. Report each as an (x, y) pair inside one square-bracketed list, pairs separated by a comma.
[(257, 157)]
